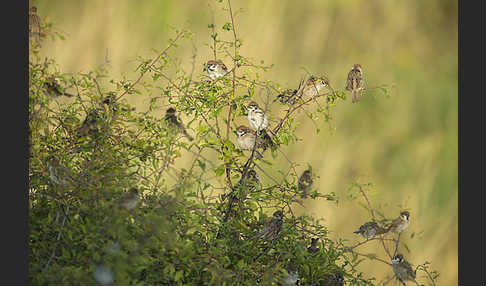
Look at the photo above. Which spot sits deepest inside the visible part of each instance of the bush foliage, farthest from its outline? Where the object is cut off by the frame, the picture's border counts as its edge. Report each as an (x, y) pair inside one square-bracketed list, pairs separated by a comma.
[(197, 223)]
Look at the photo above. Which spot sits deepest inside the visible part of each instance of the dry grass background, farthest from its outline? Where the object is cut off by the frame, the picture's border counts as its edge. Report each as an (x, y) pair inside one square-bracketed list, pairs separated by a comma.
[(406, 145)]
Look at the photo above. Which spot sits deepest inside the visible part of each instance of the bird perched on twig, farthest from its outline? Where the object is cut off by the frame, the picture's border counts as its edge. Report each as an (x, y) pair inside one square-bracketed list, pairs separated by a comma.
[(246, 185), (336, 279), (250, 182), (103, 275), (175, 123), (315, 85), (215, 69), (58, 173), (292, 275), (313, 247), (403, 270), (354, 82), (400, 224), (257, 118), (288, 96), (246, 140), (273, 227), (129, 200), (95, 118), (258, 121), (305, 183), (34, 24), (369, 229), (54, 89), (92, 122)]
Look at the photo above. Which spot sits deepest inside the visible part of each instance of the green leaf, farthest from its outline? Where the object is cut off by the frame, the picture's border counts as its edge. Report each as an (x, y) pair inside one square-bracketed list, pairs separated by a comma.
[(227, 27), (220, 170)]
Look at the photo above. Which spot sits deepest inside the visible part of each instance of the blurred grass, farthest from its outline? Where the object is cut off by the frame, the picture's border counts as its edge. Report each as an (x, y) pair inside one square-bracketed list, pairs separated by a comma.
[(405, 144)]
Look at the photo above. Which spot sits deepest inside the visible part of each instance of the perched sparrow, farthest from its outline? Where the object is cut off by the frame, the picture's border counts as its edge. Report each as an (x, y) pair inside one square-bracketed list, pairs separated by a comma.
[(247, 184), (34, 24), (129, 200), (288, 96), (103, 275), (305, 183), (314, 85), (258, 121), (95, 117), (246, 139), (369, 229), (400, 223), (54, 89), (175, 123), (257, 118), (355, 81), (403, 270), (58, 173), (334, 280), (313, 247), (273, 227), (215, 69), (91, 123), (244, 185), (291, 277), (251, 181)]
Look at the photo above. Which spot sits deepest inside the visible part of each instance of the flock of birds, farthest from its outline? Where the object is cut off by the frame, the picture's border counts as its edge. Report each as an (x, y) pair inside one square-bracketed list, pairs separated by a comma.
[(248, 138)]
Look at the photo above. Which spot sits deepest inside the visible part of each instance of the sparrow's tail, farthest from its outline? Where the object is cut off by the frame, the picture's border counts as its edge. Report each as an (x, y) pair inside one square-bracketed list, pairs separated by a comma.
[(267, 139), (189, 137), (382, 230), (357, 232), (355, 96)]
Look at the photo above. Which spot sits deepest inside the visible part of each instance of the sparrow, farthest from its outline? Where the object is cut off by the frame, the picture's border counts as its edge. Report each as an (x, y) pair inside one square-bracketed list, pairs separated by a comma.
[(257, 118), (103, 275), (354, 82), (313, 247), (215, 69), (314, 85), (369, 229), (400, 223), (403, 270), (305, 183), (258, 121), (95, 117), (273, 227), (291, 277), (251, 181), (334, 280), (34, 24), (91, 123), (246, 138), (129, 200), (288, 96), (175, 123), (247, 184), (54, 89), (58, 173), (244, 185)]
